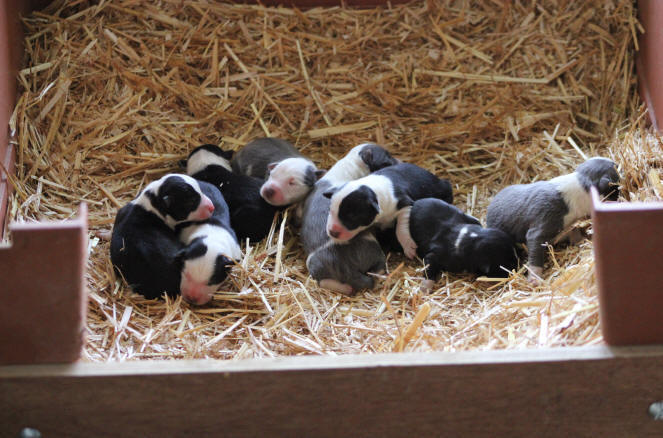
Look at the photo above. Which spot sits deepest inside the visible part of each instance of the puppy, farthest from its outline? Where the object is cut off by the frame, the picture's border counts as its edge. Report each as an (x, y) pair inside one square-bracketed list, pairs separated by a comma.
[(342, 267), (536, 213), (144, 245), (250, 215), (290, 176), (211, 251), (379, 198), (449, 240)]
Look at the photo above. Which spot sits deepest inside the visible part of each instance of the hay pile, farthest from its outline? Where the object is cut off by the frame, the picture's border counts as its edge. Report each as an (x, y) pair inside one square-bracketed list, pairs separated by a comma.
[(486, 93)]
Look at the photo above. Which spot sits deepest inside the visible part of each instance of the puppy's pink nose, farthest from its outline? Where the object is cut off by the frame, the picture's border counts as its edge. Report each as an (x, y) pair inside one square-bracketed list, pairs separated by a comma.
[(335, 231), (269, 192), (208, 205), (194, 294)]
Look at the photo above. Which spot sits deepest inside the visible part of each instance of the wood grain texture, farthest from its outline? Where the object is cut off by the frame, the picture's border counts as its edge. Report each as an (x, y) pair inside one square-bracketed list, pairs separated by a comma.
[(10, 59), (588, 392), (42, 286), (628, 270), (303, 4), (649, 62)]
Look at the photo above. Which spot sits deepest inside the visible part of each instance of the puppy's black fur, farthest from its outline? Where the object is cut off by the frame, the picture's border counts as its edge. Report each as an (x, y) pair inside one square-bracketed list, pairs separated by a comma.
[(197, 247), (536, 213), (380, 199), (144, 246), (256, 156), (145, 251), (449, 240), (250, 215), (174, 198)]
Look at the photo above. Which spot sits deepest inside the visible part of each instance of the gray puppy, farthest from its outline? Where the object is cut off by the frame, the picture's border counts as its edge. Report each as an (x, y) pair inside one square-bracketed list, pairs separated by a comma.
[(536, 213), (342, 267), (289, 175)]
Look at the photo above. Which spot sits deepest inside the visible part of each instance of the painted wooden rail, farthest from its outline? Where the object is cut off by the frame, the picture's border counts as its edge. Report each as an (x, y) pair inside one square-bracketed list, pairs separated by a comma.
[(575, 392), (42, 289)]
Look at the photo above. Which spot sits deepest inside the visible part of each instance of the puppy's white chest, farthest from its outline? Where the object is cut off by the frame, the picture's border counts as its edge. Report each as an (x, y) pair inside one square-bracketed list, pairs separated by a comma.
[(577, 199)]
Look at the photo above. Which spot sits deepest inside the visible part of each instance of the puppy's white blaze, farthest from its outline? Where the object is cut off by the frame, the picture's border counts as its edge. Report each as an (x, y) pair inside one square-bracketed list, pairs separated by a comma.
[(281, 174), (461, 236), (384, 191), (153, 187), (575, 196), (200, 269), (202, 159), (217, 239), (403, 233), (348, 168)]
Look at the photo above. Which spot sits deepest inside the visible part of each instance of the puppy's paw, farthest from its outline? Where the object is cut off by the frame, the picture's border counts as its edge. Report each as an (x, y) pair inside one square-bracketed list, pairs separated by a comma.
[(427, 285), (409, 248), (336, 286), (534, 276), (403, 233)]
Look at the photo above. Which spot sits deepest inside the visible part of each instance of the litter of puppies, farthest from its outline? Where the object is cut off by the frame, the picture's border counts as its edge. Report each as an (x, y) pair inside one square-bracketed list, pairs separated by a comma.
[(114, 94)]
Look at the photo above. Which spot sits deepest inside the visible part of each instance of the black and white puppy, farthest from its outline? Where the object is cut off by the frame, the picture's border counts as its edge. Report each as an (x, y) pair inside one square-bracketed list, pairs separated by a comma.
[(290, 176), (211, 251), (536, 213), (250, 215), (449, 240), (144, 246), (342, 267), (379, 199)]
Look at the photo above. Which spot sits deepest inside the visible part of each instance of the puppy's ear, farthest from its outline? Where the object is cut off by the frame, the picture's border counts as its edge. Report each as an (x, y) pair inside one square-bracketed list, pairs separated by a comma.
[(329, 193), (366, 155), (271, 166), (404, 201), (225, 261), (180, 257), (607, 188), (371, 197), (319, 173)]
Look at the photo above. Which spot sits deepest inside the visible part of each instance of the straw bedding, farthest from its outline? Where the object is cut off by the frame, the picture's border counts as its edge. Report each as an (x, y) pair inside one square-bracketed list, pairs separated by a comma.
[(486, 93)]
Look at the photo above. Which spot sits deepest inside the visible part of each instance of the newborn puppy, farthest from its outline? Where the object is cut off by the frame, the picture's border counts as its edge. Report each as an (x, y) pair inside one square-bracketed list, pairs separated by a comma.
[(290, 176), (211, 250), (342, 267), (536, 213), (449, 240), (250, 215), (144, 245), (379, 198)]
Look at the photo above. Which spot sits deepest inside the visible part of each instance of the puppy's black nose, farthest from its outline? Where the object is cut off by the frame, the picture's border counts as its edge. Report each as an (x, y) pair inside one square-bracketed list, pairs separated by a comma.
[(334, 234), (269, 192)]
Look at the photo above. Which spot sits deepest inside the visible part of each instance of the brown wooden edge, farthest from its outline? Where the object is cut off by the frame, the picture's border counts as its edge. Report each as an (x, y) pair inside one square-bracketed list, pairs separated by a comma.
[(42, 288), (649, 63), (579, 392), (628, 252)]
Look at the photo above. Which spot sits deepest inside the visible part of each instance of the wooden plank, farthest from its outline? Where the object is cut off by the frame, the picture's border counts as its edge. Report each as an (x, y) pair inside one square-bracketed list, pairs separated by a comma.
[(649, 66), (628, 270), (579, 392), (43, 287)]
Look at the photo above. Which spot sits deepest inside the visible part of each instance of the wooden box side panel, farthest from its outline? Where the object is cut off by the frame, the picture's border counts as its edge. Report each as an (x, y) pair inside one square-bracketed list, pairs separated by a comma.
[(628, 249), (10, 60), (649, 61), (43, 290), (601, 396)]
